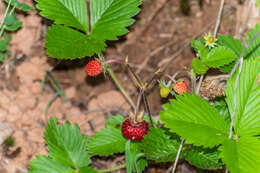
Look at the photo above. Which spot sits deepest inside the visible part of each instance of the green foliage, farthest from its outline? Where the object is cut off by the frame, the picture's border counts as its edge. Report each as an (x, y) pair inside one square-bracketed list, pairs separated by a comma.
[(199, 46), (132, 156), (230, 42), (115, 121), (108, 20), (253, 51), (203, 158), (247, 121), (195, 121), (242, 155), (109, 140), (12, 23), (64, 42), (158, 146), (67, 150), (219, 56), (221, 105), (20, 5), (199, 67)]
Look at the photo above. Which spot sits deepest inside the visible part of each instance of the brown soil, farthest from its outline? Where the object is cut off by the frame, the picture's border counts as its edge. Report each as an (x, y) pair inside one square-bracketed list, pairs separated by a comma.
[(161, 30)]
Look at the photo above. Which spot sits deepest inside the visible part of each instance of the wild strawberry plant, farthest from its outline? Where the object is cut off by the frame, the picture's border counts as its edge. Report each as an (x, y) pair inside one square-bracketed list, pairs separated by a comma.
[(222, 134), (9, 24)]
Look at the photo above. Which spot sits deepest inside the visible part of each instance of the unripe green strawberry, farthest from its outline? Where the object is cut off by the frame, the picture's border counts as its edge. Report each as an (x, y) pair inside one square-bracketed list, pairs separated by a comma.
[(181, 87), (164, 92)]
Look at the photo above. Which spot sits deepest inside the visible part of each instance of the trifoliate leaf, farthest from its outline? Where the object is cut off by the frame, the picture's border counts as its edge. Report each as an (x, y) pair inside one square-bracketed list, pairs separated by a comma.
[(115, 121), (106, 142), (158, 146), (231, 43), (87, 169), (242, 155), (199, 67), (253, 50), (195, 121), (44, 164), (199, 46), (109, 18), (66, 43), (66, 144), (68, 12), (203, 158), (219, 56), (133, 155), (247, 120)]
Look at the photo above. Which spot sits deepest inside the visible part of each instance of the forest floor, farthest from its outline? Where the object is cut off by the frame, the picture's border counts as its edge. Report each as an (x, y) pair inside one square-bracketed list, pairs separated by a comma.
[(160, 38)]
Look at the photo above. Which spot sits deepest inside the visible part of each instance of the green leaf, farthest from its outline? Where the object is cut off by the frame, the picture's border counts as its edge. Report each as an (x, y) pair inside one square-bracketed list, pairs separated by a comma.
[(10, 19), (109, 18), (3, 45), (253, 51), (158, 146), (199, 46), (66, 43), (115, 121), (241, 156), (68, 12), (66, 144), (203, 158), (14, 26), (195, 121), (230, 42), (108, 141), (247, 120), (88, 169), (132, 157), (199, 67), (219, 56), (235, 45), (44, 164), (221, 106), (20, 5)]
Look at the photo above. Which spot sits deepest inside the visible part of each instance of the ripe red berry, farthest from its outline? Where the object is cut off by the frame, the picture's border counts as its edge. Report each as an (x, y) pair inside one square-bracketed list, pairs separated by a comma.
[(180, 87), (93, 68), (134, 131)]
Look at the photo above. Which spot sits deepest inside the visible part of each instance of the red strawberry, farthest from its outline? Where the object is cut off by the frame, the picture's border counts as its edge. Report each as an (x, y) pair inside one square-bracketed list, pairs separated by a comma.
[(93, 68), (181, 87), (135, 131)]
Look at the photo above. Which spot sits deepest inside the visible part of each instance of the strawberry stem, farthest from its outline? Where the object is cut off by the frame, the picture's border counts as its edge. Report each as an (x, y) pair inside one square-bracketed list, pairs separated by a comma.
[(117, 83)]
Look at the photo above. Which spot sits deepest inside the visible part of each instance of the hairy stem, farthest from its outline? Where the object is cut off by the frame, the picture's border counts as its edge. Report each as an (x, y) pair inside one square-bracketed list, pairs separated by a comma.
[(112, 169), (3, 20), (117, 83)]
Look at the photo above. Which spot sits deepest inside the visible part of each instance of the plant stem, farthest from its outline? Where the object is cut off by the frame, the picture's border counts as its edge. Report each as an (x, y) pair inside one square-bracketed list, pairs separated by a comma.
[(112, 169), (2, 22), (112, 74), (178, 155), (219, 17), (147, 107)]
